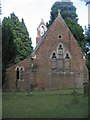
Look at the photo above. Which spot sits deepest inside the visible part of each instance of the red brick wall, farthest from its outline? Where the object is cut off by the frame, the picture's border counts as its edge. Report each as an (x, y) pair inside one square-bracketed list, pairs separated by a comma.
[(50, 44), (42, 75)]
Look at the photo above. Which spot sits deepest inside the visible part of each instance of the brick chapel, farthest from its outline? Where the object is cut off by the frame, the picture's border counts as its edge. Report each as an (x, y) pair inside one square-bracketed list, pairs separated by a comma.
[(57, 62)]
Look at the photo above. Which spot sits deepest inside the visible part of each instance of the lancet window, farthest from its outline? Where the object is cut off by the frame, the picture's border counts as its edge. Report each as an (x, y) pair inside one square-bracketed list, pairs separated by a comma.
[(67, 62), (54, 61), (19, 72), (60, 52)]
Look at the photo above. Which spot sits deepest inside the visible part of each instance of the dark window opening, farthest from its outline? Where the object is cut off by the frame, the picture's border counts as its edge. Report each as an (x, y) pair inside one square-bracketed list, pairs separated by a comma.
[(54, 62), (21, 73), (60, 52), (60, 36), (67, 62), (54, 55), (67, 56), (17, 79), (17, 73), (60, 47)]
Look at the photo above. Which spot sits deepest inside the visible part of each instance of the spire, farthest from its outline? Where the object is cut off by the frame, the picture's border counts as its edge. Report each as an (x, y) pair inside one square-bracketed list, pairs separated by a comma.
[(59, 13)]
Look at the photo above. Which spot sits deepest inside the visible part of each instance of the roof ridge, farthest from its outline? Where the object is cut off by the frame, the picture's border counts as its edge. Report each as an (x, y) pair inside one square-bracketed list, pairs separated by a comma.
[(43, 37)]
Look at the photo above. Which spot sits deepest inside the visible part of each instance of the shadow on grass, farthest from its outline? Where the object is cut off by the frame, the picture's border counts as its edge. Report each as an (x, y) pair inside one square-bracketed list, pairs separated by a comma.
[(45, 104)]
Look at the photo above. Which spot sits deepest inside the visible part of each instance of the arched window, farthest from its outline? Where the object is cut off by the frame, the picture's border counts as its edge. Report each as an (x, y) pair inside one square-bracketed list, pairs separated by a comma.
[(60, 52), (60, 36), (67, 62), (21, 73), (17, 78), (60, 61), (17, 72), (54, 61)]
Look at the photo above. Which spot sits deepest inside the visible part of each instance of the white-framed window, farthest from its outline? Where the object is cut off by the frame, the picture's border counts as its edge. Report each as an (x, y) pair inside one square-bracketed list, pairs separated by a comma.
[(60, 36), (19, 72)]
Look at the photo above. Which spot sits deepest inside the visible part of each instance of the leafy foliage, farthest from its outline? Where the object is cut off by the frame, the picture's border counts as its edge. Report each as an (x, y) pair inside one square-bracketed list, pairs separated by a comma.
[(88, 35), (68, 12), (87, 47), (9, 48), (77, 31), (15, 41), (20, 36)]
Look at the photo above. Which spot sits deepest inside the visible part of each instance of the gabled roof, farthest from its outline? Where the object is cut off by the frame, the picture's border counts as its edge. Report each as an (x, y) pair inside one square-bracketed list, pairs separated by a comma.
[(40, 42), (42, 23), (59, 17), (43, 37)]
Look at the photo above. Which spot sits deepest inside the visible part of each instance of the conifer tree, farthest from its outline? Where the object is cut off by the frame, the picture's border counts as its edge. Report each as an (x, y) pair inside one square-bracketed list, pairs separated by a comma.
[(16, 43), (20, 36)]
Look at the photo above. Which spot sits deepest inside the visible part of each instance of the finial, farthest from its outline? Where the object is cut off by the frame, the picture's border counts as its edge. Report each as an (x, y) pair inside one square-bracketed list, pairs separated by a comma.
[(41, 20), (59, 12)]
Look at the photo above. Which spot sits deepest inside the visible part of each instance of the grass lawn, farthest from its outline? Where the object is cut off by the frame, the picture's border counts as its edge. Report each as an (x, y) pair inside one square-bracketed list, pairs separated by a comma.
[(45, 104), (0, 104)]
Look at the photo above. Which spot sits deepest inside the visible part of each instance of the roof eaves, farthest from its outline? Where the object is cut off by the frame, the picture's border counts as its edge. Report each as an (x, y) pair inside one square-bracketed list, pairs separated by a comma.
[(39, 43)]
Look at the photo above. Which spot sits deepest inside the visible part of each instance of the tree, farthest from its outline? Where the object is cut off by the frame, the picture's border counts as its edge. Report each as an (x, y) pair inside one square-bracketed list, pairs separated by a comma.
[(77, 31), (87, 41), (87, 46), (9, 50), (86, 1), (68, 12), (16, 42), (21, 37)]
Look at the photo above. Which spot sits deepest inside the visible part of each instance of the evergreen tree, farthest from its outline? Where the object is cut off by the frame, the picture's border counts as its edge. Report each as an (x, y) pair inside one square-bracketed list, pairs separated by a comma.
[(21, 37), (9, 50), (87, 46), (77, 31), (16, 43), (68, 12)]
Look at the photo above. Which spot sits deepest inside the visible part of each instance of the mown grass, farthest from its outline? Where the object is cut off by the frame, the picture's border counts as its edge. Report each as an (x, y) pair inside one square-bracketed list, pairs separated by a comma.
[(45, 104), (0, 104)]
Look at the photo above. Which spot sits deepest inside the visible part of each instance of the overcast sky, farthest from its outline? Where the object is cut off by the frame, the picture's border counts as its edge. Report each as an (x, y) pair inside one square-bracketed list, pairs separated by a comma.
[(32, 11)]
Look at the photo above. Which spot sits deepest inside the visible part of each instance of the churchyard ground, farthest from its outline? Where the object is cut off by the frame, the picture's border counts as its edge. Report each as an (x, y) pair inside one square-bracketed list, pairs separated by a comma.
[(45, 104)]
